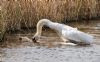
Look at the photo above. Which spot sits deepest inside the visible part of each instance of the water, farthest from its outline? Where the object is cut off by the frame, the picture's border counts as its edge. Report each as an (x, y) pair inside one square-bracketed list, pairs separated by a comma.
[(14, 50)]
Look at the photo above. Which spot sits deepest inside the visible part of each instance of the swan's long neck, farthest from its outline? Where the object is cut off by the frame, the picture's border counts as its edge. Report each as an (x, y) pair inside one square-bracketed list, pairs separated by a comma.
[(41, 23)]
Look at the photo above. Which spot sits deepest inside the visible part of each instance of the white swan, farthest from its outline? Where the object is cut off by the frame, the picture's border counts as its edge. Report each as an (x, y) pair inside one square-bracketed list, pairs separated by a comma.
[(65, 32)]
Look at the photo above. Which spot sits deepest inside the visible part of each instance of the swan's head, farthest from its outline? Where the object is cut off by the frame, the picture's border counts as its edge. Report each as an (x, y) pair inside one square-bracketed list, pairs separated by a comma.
[(35, 38)]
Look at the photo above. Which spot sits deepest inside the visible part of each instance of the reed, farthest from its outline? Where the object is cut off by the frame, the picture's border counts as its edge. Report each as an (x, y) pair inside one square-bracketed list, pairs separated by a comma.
[(2, 27), (26, 13)]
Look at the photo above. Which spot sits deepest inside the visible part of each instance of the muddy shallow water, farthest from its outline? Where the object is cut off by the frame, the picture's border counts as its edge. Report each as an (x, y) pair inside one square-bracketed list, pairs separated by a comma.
[(14, 50)]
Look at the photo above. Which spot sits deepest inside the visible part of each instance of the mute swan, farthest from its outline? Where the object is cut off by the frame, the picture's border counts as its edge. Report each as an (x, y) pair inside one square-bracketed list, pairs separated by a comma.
[(65, 32)]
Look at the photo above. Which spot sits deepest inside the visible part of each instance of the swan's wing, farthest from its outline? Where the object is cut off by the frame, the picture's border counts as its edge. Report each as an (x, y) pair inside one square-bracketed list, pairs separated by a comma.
[(77, 36), (87, 38)]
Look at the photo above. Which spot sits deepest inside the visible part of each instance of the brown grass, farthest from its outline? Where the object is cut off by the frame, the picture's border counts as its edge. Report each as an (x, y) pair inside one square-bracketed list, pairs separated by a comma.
[(19, 13), (2, 27)]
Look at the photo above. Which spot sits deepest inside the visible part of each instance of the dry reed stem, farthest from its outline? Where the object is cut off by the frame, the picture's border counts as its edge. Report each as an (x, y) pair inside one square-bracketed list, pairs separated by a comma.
[(26, 13)]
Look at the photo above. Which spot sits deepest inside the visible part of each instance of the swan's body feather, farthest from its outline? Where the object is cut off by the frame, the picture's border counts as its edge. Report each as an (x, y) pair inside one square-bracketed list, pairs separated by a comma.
[(77, 36)]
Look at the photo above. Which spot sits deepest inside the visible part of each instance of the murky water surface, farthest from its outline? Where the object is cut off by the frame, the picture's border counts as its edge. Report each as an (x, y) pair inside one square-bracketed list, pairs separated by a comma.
[(14, 50)]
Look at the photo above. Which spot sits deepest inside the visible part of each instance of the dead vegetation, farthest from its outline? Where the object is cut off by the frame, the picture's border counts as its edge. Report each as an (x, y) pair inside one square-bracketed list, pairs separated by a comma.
[(26, 13)]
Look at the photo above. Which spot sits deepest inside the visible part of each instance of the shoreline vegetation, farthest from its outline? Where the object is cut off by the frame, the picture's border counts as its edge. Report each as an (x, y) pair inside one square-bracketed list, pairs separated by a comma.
[(15, 14)]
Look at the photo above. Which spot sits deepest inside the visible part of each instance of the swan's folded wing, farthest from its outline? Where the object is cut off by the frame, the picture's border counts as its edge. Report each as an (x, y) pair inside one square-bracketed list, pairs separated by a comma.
[(78, 36), (87, 38)]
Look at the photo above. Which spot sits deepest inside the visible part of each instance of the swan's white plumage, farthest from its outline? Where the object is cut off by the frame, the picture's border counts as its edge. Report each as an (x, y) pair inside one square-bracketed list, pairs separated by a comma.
[(64, 31), (77, 36)]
